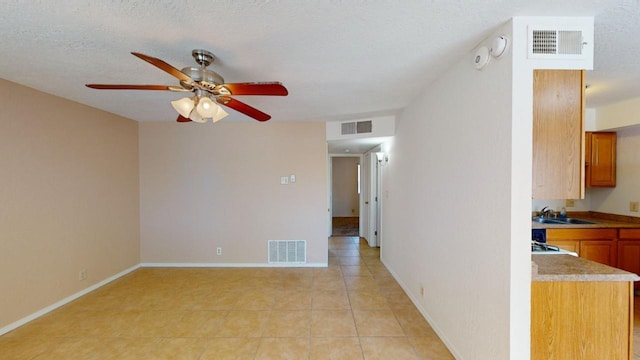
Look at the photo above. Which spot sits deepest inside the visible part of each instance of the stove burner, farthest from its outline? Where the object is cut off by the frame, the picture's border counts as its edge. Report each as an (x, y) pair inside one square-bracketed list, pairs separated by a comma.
[(542, 247)]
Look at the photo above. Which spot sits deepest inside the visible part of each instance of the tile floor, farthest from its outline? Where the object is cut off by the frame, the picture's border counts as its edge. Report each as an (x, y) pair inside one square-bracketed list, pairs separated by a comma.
[(353, 309)]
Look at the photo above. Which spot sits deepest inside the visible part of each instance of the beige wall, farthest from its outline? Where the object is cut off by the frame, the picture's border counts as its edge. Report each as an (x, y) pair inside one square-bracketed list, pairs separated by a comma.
[(344, 176), (206, 186), (68, 198)]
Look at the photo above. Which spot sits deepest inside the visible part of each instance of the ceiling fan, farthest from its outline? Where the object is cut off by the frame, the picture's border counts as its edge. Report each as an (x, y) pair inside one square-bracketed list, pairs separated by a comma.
[(208, 88)]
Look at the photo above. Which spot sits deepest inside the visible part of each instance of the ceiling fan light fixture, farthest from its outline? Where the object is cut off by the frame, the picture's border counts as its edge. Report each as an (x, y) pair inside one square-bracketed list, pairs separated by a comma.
[(220, 114), (183, 106), (206, 108), (195, 116)]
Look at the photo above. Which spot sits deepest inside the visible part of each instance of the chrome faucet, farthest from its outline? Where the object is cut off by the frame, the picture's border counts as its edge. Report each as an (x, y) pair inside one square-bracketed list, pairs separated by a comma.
[(546, 212)]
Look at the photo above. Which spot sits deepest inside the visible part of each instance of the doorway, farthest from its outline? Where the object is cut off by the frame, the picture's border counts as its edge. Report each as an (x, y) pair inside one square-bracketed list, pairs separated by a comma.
[(345, 195)]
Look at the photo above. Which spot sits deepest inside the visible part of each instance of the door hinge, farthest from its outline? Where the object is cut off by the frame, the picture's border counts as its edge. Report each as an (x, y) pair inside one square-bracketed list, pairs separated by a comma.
[(375, 233)]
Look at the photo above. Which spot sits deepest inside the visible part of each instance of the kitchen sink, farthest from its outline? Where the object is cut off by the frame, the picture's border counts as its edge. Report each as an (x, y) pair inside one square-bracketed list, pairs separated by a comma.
[(544, 220), (577, 221)]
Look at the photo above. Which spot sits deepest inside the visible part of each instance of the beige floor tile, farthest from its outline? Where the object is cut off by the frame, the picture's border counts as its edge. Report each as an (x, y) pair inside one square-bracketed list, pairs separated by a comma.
[(367, 300), (386, 348), (283, 349), (293, 300), (202, 324), (332, 323), (398, 300), (239, 313), (243, 323), (430, 348), (178, 349), (357, 270), (124, 348), (413, 323), (330, 300), (345, 348), (349, 260), (360, 283), (328, 282), (377, 323), (152, 324), (78, 348), (22, 347), (231, 349), (288, 324), (256, 300)]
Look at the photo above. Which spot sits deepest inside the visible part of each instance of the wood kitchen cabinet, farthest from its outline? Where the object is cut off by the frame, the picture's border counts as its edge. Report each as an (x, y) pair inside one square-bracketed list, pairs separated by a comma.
[(629, 251), (561, 328), (598, 245), (600, 159), (558, 134)]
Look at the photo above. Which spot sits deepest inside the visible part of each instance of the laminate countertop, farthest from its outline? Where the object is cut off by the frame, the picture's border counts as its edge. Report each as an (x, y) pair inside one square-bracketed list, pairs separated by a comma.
[(572, 268), (602, 221)]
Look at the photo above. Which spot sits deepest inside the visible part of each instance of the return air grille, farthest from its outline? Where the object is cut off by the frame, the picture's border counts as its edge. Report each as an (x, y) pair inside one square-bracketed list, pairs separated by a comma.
[(556, 42), (357, 127), (287, 251)]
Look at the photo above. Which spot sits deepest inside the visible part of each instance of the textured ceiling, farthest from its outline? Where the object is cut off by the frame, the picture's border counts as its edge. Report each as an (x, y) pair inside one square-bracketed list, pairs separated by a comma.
[(339, 59)]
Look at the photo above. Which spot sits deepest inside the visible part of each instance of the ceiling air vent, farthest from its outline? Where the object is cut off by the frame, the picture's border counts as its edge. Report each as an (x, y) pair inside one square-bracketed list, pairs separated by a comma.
[(555, 43), (357, 127)]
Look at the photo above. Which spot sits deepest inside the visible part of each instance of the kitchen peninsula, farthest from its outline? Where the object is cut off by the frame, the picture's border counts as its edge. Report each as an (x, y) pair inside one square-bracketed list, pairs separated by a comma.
[(580, 309)]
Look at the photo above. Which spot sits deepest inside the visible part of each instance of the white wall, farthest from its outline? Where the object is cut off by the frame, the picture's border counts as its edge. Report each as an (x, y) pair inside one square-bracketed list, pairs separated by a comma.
[(68, 199), (204, 186), (447, 206), (345, 198)]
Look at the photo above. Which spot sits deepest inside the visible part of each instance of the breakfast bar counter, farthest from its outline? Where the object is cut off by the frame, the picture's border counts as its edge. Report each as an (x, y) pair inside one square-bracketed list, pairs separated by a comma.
[(580, 309), (573, 268)]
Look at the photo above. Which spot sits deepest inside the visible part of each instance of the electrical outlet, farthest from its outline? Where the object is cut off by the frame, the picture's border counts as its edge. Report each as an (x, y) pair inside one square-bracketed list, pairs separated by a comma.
[(633, 206), (569, 203), (82, 275), (219, 251)]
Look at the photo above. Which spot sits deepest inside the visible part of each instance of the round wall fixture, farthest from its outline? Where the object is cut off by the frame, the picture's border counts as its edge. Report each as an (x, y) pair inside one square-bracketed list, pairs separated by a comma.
[(498, 46), (482, 58)]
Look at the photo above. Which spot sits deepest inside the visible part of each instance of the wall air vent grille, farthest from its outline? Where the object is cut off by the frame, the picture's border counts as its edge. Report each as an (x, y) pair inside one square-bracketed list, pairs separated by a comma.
[(357, 127), (556, 43), (348, 128), (287, 251), (544, 41), (363, 127)]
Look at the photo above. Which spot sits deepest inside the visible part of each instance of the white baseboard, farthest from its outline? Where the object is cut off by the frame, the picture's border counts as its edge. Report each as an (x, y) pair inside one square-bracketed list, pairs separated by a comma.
[(233, 265), (64, 301)]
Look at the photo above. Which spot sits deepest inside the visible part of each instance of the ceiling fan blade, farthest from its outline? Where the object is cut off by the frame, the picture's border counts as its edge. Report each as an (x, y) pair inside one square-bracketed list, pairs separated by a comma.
[(258, 88), (182, 119), (243, 108), (135, 87), (165, 67)]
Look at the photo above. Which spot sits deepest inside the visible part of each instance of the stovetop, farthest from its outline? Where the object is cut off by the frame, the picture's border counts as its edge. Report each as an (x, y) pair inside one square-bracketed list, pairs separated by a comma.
[(543, 247)]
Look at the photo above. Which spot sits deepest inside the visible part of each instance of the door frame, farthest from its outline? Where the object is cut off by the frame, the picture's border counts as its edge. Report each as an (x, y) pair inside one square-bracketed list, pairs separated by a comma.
[(330, 191)]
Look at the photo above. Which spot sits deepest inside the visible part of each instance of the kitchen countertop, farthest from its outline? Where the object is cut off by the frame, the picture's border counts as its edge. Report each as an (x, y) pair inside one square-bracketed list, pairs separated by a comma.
[(602, 220), (572, 268)]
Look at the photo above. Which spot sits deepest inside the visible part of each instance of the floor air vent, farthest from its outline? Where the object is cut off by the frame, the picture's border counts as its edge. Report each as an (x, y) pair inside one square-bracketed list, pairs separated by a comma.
[(287, 251)]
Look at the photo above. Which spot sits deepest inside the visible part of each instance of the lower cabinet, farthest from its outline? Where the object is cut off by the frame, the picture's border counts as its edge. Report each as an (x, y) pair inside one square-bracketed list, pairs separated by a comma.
[(598, 245), (629, 251), (562, 329)]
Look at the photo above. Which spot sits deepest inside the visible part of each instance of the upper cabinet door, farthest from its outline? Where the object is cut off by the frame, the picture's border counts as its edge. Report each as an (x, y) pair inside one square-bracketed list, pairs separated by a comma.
[(600, 159), (558, 134)]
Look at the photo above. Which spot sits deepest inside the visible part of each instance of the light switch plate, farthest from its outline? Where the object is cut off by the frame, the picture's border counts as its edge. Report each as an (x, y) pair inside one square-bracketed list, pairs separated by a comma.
[(284, 180)]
